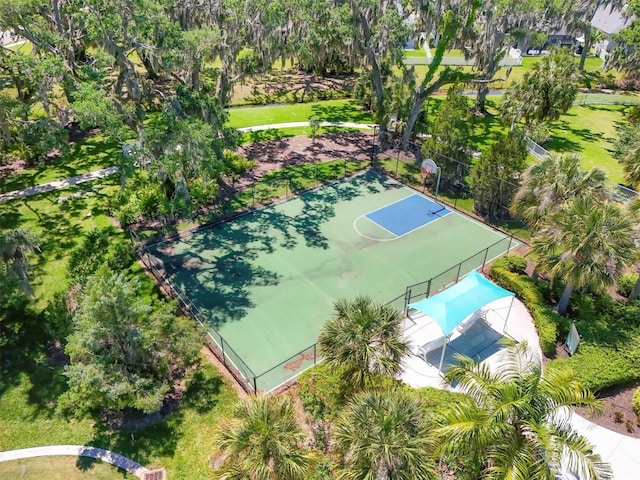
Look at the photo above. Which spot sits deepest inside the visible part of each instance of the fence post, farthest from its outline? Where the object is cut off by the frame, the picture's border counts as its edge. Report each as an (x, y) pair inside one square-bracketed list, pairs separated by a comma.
[(429, 288), (255, 386), (459, 269), (407, 299), (224, 355), (486, 252), (314, 353)]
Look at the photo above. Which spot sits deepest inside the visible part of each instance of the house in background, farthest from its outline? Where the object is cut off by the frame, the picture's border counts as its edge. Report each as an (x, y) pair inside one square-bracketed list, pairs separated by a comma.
[(609, 21)]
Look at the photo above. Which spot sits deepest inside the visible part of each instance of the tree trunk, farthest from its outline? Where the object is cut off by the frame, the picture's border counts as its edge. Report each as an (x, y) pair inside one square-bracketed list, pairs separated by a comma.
[(195, 78), (586, 48), (563, 304), (481, 97), (636, 290)]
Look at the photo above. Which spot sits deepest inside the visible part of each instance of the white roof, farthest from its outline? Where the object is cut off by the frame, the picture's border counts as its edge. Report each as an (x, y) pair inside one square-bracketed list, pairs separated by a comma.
[(610, 20)]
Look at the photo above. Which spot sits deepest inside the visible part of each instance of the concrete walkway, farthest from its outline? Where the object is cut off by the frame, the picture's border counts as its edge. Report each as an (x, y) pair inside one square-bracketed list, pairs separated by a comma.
[(77, 451), (58, 184), (105, 172)]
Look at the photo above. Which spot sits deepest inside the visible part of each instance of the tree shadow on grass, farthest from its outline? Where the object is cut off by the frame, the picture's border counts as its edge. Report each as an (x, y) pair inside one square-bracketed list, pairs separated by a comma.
[(202, 392), (346, 112), (265, 135), (486, 130)]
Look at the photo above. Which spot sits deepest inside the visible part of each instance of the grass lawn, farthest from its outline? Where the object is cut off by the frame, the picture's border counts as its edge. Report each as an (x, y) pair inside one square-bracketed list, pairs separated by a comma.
[(181, 443), (69, 468), (329, 111), (278, 133), (60, 226), (91, 154), (590, 131)]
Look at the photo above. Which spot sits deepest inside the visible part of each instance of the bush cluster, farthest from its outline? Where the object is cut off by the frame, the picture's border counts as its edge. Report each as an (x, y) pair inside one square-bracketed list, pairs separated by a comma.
[(635, 402), (322, 391), (625, 284)]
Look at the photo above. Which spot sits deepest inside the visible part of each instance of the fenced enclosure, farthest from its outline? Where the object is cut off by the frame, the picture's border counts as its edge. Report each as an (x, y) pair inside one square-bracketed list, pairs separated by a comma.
[(263, 283)]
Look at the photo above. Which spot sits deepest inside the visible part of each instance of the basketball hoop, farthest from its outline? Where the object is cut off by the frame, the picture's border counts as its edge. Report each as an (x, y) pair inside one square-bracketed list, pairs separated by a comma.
[(427, 168)]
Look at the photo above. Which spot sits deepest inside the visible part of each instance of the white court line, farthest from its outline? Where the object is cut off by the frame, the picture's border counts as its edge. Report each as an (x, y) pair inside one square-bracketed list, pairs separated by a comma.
[(371, 238)]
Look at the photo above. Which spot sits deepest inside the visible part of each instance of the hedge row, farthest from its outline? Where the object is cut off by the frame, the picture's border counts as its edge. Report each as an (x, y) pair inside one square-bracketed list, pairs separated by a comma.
[(546, 320)]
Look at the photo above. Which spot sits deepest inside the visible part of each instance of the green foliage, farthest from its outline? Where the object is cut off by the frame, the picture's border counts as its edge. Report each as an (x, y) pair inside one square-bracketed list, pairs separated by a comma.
[(235, 164), (93, 108), (514, 397), (19, 322), (494, 176), (547, 186), (511, 262), (627, 151), (609, 351), (450, 132), (42, 137), (314, 124), (435, 401), (587, 244), (125, 352), (544, 93), (98, 247), (363, 339), (322, 391), (545, 319), (635, 402), (263, 439), (384, 431), (625, 284)]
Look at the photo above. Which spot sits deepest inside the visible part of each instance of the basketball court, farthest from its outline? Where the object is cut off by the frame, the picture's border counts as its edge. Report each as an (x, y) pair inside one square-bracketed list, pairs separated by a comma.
[(267, 280)]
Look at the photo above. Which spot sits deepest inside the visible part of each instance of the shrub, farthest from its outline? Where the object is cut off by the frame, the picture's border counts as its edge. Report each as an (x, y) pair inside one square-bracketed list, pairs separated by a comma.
[(236, 164), (540, 134), (41, 137), (625, 284), (635, 402), (545, 319), (628, 83), (511, 263), (322, 391), (599, 367), (98, 247)]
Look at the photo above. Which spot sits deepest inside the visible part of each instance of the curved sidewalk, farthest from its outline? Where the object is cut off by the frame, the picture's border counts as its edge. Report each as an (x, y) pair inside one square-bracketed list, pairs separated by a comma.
[(621, 451), (77, 451)]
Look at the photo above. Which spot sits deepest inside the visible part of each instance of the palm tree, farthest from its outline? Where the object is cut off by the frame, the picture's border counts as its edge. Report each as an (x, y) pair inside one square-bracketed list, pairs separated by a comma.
[(547, 185), (633, 209), (383, 436), (14, 246), (515, 419), (588, 243), (627, 152), (363, 338), (263, 441)]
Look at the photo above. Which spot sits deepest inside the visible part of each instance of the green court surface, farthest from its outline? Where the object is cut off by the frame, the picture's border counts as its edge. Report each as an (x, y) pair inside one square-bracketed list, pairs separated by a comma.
[(266, 281)]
